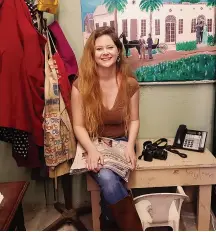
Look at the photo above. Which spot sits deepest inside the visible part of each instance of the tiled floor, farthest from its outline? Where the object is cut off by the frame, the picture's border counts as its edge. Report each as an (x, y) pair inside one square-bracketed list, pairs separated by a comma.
[(39, 217)]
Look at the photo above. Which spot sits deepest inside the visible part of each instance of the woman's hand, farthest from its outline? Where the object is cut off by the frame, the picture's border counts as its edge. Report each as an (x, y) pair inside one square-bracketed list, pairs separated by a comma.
[(131, 156), (94, 161)]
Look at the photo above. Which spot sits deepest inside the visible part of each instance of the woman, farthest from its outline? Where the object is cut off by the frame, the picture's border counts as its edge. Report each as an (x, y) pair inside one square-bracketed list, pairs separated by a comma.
[(105, 103), (142, 46)]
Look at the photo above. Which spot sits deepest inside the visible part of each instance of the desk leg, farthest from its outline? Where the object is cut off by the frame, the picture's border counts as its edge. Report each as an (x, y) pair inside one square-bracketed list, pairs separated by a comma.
[(96, 210), (204, 207), (18, 220)]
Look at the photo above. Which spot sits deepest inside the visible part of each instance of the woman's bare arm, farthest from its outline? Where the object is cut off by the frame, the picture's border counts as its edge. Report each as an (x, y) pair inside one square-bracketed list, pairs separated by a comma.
[(134, 120), (78, 122), (81, 133)]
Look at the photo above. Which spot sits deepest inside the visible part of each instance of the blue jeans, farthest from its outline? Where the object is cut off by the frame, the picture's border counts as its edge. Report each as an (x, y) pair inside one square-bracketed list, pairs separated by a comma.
[(112, 187)]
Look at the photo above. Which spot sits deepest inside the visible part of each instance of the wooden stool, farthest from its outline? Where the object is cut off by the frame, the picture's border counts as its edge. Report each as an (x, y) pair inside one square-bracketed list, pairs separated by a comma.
[(95, 202)]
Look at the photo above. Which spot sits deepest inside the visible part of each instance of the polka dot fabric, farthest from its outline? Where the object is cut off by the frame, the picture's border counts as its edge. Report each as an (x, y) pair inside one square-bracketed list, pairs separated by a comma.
[(32, 8), (18, 139), (33, 11)]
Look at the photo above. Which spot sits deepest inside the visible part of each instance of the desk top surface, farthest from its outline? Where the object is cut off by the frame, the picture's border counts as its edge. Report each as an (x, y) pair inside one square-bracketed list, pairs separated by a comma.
[(13, 193), (193, 160)]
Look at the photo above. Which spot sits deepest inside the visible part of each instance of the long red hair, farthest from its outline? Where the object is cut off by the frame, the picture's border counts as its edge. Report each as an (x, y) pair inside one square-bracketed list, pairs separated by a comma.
[(89, 85)]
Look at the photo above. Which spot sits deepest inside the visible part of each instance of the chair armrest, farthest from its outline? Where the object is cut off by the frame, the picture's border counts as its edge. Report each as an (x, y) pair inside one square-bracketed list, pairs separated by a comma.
[(180, 190)]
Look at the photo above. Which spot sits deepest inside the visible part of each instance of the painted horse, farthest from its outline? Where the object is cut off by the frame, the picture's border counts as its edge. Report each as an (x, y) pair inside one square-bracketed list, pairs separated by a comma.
[(130, 44)]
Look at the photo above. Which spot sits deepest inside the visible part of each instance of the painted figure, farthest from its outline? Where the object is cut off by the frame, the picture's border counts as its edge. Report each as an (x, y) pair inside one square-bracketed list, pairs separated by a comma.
[(142, 47), (150, 43)]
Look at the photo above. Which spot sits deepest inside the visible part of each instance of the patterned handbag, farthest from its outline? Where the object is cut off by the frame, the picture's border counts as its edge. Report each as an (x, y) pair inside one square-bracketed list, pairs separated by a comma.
[(113, 153), (59, 141), (49, 6)]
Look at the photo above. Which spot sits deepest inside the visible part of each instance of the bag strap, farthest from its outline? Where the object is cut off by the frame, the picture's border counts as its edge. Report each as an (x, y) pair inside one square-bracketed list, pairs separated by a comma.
[(168, 147), (50, 36), (48, 44)]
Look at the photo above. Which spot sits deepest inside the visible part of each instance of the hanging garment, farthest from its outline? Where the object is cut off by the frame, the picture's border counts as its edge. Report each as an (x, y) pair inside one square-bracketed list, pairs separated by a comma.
[(59, 140), (61, 169), (49, 6), (33, 158), (64, 49), (18, 138), (21, 71), (63, 79), (1, 2), (21, 83), (64, 84)]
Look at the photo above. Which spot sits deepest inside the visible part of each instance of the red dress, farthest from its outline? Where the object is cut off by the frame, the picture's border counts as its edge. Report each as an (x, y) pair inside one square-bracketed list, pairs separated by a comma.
[(21, 71), (21, 82)]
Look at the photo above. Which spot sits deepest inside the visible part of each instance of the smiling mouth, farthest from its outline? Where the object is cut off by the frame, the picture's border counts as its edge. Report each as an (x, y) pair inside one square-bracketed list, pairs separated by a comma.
[(105, 59)]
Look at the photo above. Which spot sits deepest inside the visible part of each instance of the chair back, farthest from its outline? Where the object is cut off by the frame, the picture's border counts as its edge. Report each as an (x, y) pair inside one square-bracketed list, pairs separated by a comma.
[(159, 205)]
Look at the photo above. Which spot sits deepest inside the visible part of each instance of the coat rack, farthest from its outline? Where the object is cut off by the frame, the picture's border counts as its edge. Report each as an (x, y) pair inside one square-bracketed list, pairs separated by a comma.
[(68, 213)]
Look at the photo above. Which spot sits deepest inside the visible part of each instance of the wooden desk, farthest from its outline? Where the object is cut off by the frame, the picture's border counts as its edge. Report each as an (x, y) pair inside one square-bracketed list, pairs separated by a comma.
[(11, 213), (197, 169)]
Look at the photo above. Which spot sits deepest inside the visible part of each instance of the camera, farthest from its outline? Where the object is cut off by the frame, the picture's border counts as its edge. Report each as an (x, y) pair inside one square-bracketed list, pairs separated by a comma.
[(153, 151)]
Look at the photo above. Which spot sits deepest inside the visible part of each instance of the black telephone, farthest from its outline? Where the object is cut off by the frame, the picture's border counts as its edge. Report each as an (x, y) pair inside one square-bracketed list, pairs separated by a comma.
[(190, 139)]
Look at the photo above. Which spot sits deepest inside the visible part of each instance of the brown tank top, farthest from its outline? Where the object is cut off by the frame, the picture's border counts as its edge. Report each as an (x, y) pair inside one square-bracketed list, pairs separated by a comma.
[(113, 118)]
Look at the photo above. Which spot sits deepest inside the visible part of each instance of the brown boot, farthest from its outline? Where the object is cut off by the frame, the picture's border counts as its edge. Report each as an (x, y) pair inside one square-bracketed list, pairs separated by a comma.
[(108, 225), (126, 216)]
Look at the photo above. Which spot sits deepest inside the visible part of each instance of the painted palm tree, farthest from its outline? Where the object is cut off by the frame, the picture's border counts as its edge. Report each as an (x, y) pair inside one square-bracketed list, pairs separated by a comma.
[(150, 6), (213, 4), (115, 6)]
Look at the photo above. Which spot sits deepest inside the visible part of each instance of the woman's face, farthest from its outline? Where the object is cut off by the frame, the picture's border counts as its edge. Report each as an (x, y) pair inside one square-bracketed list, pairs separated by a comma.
[(106, 52)]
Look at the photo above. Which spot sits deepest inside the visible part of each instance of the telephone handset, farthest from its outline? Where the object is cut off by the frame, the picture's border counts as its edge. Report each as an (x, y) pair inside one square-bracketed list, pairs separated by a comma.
[(190, 139)]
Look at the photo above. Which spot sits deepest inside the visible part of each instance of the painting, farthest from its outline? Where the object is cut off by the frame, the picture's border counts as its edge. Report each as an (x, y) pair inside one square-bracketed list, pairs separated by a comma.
[(163, 40)]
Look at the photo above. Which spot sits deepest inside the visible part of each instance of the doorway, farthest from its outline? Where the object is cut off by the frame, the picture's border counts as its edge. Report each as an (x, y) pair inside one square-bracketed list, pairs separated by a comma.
[(170, 29)]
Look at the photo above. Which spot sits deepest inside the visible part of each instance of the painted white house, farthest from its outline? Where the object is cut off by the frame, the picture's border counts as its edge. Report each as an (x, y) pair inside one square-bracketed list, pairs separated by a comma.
[(102, 17), (171, 23)]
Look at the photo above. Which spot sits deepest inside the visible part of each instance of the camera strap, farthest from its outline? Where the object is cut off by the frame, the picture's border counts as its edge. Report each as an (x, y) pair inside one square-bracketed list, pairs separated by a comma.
[(162, 143), (159, 142), (170, 149)]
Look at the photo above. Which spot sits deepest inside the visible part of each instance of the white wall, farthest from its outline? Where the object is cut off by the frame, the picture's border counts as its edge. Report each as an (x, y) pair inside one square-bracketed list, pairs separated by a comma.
[(164, 108), (69, 18)]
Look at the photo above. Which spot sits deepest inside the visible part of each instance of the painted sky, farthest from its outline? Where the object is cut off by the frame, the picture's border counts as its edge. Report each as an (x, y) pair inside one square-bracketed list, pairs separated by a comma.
[(88, 6)]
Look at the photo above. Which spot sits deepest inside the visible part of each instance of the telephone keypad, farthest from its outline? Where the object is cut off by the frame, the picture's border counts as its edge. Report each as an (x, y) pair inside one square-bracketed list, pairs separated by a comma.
[(192, 141)]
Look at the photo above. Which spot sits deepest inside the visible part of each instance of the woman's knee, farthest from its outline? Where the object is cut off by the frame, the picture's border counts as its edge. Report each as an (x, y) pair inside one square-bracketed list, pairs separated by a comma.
[(109, 181), (107, 177), (111, 186)]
